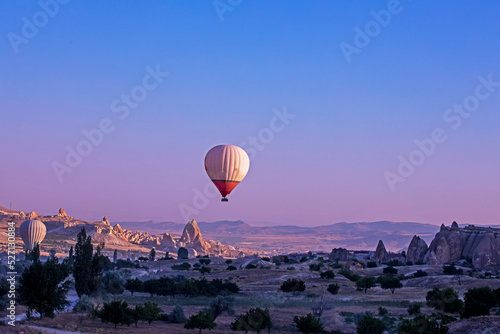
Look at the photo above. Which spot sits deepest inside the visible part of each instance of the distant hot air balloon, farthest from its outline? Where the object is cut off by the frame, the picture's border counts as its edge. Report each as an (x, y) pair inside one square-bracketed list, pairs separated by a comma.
[(226, 165), (32, 232)]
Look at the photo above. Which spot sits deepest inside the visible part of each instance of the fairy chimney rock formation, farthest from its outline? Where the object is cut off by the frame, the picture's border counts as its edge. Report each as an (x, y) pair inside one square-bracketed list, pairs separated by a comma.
[(381, 253), (191, 237), (416, 250)]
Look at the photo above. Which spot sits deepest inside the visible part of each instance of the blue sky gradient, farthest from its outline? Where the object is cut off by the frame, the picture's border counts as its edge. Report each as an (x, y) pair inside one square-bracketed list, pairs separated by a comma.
[(352, 119)]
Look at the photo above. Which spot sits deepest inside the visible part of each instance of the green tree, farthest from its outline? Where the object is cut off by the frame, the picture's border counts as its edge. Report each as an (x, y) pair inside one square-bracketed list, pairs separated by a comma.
[(115, 256), (421, 324), (113, 283), (71, 258), (134, 285), (116, 312), (444, 300), (202, 320), (152, 254), (43, 287), (414, 308), (293, 285), (204, 270), (150, 312), (33, 255), (177, 316), (182, 253), (205, 261), (328, 275), (229, 261), (83, 263), (255, 320), (365, 283), (333, 289), (368, 324), (390, 282), (221, 304), (478, 301), (96, 274), (308, 324)]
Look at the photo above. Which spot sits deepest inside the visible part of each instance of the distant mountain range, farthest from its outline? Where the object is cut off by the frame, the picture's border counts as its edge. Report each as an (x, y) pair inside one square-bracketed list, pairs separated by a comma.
[(285, 238)]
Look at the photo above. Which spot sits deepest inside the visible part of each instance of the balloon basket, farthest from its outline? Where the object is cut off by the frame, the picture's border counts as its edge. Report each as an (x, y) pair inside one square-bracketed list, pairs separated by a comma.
[(224, 200)]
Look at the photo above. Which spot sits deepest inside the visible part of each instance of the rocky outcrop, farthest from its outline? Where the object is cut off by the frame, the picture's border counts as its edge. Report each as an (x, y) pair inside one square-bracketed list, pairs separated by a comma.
[(416, 250), (478, 245), (62, 213), (32, 215), (340, 254), (192, 238), (105, 220), (381, 254)]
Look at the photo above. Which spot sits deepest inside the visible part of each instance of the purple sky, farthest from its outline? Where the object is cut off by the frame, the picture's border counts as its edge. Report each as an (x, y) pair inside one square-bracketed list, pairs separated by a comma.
[(359, 101)]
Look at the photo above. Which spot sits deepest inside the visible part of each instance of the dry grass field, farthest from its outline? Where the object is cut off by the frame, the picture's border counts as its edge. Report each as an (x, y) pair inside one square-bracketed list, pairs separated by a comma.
[(260, 288)]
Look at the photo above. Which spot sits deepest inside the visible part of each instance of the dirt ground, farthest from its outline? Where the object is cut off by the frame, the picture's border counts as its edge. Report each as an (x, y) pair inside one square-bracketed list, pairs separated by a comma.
[(260, 288)]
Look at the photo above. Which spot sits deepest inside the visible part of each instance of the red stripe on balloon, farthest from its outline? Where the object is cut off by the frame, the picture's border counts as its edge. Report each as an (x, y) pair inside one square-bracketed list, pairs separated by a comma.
[(225, 187)]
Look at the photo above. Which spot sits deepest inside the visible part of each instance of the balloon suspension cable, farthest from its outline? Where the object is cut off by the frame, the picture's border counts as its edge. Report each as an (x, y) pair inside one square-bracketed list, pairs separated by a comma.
[(224, 200)]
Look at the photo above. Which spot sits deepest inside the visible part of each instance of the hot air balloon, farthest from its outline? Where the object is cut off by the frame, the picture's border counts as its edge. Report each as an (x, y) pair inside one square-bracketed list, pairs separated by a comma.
[(32, 232), (226, 165)]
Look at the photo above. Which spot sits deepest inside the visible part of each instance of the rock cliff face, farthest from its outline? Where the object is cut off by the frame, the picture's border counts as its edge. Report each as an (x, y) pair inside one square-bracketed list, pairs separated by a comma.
[(381, 253), (479, 245), (416, 250)]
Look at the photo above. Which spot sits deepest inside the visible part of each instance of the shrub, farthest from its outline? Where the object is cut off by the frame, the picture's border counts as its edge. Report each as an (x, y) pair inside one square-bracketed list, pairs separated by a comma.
[(205, 261), (349, 275), (409, 263), (382, 311), (444, 300), (292, 285), (370, 325), (177, 316), (290, 268), (112, 283), (329, 274), (265, 258), (229, 261), (421, 324), (371, 264), (308, 324), (250, 266), (333, 289), (450, 269), (184, 266), (83, 305), (277, 261), (394, 263), (390, 270), (420, 273), (230, 268), (315, 266), (222, 304), (478, 301), (414, 308)]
